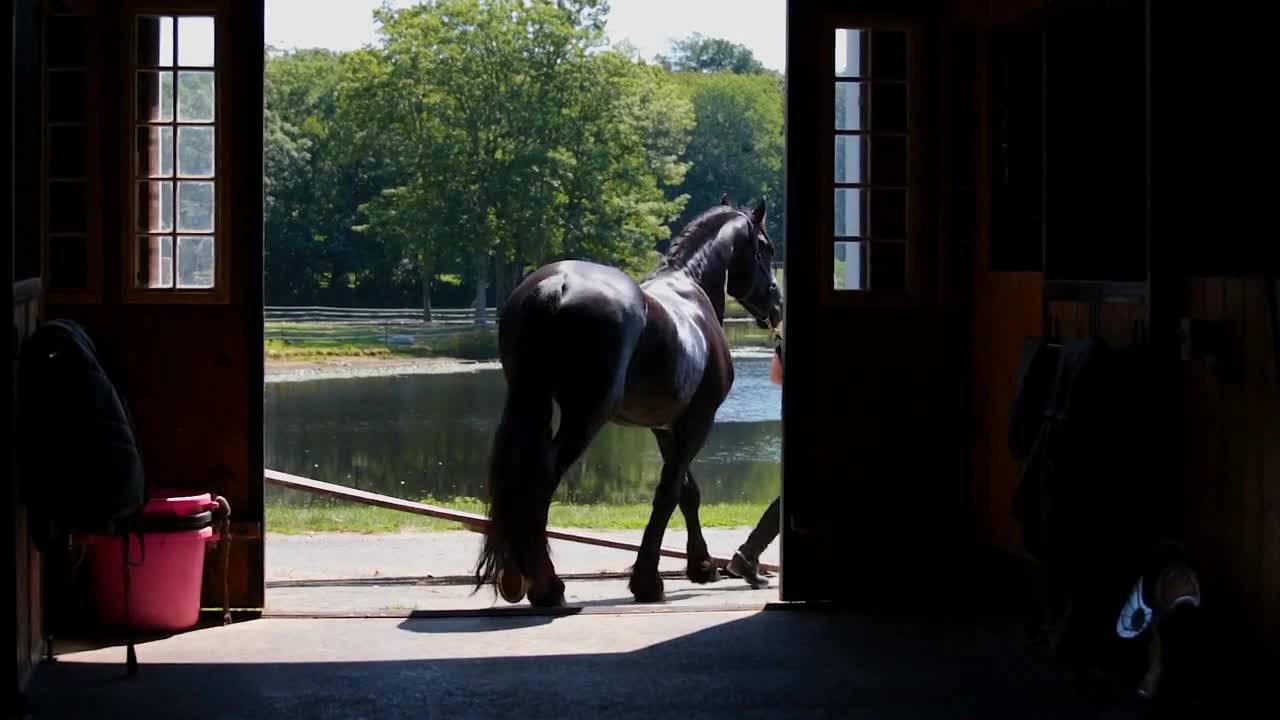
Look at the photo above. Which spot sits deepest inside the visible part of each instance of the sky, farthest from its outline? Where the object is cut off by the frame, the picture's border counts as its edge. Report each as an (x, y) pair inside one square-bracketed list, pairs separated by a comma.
[(649, 25)]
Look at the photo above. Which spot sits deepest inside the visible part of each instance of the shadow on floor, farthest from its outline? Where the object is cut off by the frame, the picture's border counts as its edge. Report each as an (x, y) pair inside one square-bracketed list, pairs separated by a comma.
[(766, 664)]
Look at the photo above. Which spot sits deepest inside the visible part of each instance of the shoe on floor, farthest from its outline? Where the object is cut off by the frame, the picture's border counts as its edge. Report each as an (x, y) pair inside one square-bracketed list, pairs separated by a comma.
[(740, 567)]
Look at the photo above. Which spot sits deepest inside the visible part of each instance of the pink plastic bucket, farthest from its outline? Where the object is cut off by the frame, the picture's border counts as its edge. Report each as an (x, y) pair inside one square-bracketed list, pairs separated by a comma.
[(175, 503), (166, 569)]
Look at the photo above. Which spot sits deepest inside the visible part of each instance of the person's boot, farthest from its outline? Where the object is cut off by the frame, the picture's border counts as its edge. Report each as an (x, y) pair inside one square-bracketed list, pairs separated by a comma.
[(746, 565)]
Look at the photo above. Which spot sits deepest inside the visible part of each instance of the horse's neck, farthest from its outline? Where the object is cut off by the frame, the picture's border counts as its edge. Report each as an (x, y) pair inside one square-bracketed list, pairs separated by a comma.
[(716, 294), (707, 267), (710, 275)]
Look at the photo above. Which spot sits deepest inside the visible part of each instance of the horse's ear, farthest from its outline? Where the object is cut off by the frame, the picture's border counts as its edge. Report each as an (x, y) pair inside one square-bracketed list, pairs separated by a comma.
[(724, 198), (758, 215)]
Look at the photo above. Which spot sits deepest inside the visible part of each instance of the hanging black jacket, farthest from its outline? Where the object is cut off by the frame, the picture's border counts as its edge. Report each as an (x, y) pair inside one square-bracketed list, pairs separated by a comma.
[(80, 468)]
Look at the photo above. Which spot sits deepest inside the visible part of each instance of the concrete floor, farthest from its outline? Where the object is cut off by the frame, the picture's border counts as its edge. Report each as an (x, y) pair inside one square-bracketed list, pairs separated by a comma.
[(774, 664), (351, 555), (343, 573)]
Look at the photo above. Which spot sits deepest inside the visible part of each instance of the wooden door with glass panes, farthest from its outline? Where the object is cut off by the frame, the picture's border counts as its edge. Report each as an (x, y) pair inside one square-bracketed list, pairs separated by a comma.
[(153, 235), (871, 477)]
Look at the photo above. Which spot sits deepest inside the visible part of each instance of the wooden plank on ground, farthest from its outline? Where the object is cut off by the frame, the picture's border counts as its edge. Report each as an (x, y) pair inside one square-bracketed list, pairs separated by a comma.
[(472, 521)]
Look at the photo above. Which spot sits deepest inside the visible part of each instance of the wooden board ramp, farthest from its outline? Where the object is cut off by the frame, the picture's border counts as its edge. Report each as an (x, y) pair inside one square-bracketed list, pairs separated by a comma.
[(471, 521)]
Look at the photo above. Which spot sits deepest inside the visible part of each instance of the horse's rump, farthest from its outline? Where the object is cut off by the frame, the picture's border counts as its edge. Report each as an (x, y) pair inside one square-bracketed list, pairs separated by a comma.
[(564, 336)]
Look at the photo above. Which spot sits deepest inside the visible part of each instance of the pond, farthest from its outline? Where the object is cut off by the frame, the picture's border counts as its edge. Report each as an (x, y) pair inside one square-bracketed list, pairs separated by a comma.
[(428, 436)]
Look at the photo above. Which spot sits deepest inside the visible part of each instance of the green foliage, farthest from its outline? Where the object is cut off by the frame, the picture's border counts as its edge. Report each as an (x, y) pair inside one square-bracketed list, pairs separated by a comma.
[(478, 139), (737, 145), (697, 53), (314, 187)]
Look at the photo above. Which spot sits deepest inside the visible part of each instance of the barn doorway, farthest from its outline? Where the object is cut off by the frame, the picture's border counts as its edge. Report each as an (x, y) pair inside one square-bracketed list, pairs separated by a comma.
[(380, 289)]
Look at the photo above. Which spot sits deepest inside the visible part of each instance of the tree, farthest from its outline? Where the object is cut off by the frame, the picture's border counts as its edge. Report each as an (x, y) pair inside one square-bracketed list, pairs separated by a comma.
[(697, 53), (737, 145), (315, 205), (516, 140), (285, 158)]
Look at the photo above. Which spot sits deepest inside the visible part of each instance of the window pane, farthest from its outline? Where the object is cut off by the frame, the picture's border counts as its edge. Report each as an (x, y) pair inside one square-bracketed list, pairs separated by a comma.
[(889, 161), (154, 262), (889, 108), (68, 207), (849, 110), (155, 41), (195, 261), (848, 212), (155, 207), (850, 161), (848, 266), (195, 97), (888, 266), (889, 214), (155, 96), (195, 151), (67, 96), (849, 52), (68, 152), (888, 55), (155, 152), (195, 42), (195, 206), (68, 269)]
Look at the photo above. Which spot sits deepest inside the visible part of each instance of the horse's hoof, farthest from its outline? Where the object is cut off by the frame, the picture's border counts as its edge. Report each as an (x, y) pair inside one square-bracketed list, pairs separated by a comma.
[(648, 591), (702, 572), (511, 586), (551, 597)]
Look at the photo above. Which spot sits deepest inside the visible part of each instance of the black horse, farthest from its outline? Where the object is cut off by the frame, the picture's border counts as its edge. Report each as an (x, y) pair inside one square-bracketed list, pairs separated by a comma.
[(606, 348)]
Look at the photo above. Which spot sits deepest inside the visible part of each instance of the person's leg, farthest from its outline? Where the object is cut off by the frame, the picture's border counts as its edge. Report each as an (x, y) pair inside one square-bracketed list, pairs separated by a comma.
[(765, 532), (746, 561)]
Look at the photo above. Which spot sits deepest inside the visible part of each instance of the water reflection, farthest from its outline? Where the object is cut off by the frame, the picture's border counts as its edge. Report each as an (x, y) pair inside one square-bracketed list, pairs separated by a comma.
[(428, 436)]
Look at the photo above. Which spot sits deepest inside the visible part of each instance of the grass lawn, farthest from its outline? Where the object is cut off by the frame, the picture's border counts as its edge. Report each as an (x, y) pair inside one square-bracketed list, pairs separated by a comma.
[(318, 341), (292, 520), (322, 341)]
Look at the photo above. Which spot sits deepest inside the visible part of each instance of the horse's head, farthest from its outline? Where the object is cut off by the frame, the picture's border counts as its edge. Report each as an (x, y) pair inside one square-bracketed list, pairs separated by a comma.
[(750, 276)]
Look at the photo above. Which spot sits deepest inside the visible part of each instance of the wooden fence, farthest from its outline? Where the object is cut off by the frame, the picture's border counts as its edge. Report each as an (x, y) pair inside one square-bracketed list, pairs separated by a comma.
[(389, 326), (319, 314)]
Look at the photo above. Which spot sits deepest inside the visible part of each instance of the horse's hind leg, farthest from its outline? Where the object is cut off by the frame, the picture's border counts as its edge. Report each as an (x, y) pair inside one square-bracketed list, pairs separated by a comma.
[(699, 567), (682, 444), (545, 588)]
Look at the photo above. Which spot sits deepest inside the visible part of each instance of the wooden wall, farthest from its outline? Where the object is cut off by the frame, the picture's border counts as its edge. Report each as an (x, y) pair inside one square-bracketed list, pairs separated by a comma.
[(1225, 439), (1231, 456), (27, 562), (1006, 310), (190, 368)]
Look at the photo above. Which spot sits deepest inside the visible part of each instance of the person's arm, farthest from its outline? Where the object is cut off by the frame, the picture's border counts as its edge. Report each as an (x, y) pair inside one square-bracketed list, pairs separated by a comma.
[(775, 368)]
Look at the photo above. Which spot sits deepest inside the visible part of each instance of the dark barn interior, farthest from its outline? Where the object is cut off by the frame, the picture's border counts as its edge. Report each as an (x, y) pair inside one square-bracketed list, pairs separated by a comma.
[(1050, 181)]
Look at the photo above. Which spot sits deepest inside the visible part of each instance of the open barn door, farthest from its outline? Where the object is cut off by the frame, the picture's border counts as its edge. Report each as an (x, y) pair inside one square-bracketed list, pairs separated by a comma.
[(873, 476), (152, 235)]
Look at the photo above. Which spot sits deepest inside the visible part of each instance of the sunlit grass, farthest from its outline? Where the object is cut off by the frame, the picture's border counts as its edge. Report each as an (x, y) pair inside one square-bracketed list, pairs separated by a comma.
[(319, 341), (293, 520)]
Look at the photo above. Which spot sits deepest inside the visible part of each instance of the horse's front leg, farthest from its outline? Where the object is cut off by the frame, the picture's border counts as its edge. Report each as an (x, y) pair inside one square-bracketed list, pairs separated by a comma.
[(679, 447)]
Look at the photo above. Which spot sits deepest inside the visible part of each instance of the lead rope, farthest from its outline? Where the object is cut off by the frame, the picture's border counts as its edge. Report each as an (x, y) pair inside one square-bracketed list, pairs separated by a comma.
[(224, 550)]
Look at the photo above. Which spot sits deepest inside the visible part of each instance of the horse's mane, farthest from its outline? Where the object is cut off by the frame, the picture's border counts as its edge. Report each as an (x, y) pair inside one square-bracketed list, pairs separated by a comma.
[(694, 236)]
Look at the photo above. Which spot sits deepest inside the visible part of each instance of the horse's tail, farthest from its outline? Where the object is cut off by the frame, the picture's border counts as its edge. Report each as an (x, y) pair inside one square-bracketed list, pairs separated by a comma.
[(520, 465)]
